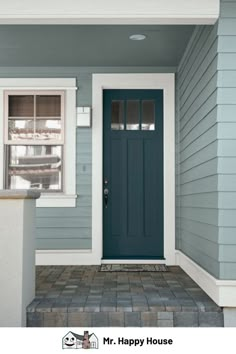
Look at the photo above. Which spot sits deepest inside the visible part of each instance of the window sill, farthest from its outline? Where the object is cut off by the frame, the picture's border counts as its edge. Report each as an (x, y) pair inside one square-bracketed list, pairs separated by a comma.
[(56, 201)]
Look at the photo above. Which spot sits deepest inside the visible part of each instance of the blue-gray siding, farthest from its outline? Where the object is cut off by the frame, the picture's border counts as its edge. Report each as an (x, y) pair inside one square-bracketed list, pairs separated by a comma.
[(70, 228), (196, 146), (226, 134)]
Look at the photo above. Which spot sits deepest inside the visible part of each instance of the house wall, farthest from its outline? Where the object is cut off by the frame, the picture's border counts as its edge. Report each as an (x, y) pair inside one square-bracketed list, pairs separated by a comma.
[(226, 134), (70, 228), (196, 151), (206, 147)]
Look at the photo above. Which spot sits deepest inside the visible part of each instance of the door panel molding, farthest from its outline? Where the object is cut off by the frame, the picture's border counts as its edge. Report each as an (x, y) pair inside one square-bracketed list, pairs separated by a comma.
[(164, 82)]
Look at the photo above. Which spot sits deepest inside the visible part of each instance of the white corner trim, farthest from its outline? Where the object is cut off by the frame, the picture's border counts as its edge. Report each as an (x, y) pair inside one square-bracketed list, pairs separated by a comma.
[(223, 292), (154, 81), (56, 201)]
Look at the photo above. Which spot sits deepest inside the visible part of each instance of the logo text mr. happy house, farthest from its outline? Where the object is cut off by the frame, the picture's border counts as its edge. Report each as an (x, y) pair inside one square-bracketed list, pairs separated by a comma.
[(76, 341)]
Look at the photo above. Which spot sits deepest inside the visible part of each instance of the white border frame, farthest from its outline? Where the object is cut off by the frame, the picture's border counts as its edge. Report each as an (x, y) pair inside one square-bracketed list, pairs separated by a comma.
[(165, 82), (68, 197)]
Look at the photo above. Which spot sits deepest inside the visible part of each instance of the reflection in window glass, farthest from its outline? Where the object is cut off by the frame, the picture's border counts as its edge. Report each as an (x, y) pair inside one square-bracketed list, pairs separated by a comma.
[(48, 129), (148, 115), (35, 167), (20, 129), (132, 115), (117, 115)]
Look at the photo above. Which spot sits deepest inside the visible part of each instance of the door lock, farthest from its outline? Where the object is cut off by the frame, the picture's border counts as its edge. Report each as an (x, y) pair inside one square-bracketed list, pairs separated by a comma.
[(106, 192)]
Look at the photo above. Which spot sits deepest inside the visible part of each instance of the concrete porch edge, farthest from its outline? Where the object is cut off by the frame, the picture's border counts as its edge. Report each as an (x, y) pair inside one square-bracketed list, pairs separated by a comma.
[(223, 292)]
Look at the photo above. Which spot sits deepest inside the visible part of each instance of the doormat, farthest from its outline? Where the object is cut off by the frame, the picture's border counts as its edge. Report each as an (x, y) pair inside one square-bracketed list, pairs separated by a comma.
[(133, 268)]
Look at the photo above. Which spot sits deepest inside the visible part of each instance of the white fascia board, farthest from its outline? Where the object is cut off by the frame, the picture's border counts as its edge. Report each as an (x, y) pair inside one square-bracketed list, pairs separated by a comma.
[(110, 12)]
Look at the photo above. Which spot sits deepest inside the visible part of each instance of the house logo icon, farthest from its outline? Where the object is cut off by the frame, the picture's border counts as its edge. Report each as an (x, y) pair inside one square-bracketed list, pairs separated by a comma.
[(76, 341)]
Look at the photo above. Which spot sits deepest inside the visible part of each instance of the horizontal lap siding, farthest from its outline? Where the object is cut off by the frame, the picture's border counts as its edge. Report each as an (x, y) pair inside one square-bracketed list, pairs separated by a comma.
[(196, 162), (226, 99), (70, 228)]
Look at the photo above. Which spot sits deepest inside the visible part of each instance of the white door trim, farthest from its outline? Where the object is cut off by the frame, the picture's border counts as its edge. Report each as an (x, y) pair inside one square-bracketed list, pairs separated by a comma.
[(134, 81)]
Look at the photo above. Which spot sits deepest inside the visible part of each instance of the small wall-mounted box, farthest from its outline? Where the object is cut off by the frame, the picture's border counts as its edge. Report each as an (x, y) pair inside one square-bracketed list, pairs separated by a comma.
[(84, 117)]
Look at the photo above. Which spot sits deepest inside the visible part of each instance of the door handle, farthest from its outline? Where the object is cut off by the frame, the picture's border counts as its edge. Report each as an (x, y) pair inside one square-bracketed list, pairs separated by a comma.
[(106, 192)]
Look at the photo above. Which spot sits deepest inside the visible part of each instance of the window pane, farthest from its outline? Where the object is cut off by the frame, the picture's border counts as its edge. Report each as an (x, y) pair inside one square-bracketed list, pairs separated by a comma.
[(48, 129), (148, 115), (117, 115), (35, 167), (48, 106), (21, 106), (20, 129), (132, 115)]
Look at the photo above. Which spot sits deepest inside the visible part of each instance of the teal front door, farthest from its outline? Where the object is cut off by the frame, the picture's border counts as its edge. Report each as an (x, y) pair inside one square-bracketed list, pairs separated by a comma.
[(133, 174)]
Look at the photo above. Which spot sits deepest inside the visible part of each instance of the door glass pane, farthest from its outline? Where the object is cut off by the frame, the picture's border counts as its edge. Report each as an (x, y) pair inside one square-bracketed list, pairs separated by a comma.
[(48, 106), (19, 129), (132, 115), (148, 115), (48, 129), (35, 167), (21, 106), (117, 115)]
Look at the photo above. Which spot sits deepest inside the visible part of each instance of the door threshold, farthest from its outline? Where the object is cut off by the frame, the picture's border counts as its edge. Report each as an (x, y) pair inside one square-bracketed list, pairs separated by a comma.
[(133, 261)]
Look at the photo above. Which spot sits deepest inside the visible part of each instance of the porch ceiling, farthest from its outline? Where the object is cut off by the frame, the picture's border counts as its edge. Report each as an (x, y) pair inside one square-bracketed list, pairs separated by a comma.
[(92, 45)]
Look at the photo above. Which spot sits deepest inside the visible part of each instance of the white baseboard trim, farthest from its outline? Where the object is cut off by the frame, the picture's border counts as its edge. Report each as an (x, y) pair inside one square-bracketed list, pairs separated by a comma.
[(66, 257), (223, 292)]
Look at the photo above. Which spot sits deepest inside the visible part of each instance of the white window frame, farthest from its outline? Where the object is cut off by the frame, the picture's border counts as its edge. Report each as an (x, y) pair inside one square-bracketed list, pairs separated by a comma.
[(67, 198)]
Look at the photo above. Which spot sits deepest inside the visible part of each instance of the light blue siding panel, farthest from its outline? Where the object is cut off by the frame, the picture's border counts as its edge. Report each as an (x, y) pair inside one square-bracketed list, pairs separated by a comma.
[(227, 165), (228, 10), (203, 185), (226, 95), (226, 113), (199, 122), (55, 244), (62, 233), (226, 61), (226, 79), (204, 170), (227, 26), (64, 222), (203, 215), (227, 235), (199, 157), (227, 183), (200, 200), (197, 142), (201, 244), (198, 53), (198, 100), (80, 211), (227, 44), (203, 111), (227, 252), (227, 147), (227, 131), (228, 270), (227, 218), (205, 231), (208, 151)]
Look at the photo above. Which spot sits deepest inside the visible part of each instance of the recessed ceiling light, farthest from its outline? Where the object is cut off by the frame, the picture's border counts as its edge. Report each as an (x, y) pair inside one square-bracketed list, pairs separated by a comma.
[(137, 37)]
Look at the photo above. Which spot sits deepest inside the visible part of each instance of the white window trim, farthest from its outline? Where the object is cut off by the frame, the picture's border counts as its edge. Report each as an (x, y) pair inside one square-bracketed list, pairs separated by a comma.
[(68, 197)]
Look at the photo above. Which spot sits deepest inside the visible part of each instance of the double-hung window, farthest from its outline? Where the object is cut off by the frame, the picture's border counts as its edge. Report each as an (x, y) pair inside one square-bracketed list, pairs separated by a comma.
[(38, 138), (34, 140)]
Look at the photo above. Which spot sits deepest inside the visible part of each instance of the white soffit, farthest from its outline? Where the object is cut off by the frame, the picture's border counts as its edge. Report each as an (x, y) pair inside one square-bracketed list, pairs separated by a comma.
[(109, 12)]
